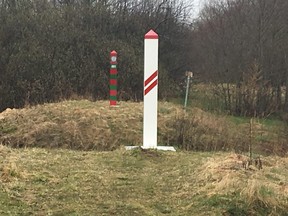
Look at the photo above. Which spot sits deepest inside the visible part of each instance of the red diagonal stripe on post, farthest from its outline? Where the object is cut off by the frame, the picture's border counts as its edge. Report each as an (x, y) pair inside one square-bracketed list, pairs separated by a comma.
[(147, 81), (149, 88)]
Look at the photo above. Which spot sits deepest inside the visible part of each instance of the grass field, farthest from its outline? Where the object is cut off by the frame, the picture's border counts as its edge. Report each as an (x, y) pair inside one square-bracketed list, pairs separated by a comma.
[(64, 182), (68, 158)]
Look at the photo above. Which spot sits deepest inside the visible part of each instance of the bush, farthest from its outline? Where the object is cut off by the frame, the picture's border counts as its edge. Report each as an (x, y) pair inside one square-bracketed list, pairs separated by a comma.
[(201, 131)]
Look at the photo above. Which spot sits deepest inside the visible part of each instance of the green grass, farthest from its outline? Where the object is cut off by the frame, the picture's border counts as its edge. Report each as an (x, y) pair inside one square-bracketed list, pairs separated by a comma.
[(272, 123), (200, 96), (85, 183), (239, 120), (65, 182), (54, 181), (7, 128), (233, 204)]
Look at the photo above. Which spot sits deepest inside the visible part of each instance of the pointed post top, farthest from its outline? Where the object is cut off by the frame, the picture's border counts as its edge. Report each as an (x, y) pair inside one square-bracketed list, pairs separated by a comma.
[(113, 53), (151, 35)]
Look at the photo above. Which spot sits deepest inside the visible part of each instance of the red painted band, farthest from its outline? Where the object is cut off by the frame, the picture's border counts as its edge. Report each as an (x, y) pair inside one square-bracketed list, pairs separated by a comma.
[(113, 103), (113, 82), (113, 92), (147, 81), (149, 88), (113, 71), (151, 37)]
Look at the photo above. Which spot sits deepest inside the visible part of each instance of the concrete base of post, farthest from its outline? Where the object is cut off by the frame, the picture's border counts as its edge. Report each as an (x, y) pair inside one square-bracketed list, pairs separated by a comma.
[(160, 148), (114, 106)]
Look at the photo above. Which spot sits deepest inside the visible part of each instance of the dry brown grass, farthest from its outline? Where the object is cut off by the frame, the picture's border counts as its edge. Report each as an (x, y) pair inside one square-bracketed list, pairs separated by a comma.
[(72, 124), (86, 125), (79, 125), (9, 170), (265, 188), (202, 131)]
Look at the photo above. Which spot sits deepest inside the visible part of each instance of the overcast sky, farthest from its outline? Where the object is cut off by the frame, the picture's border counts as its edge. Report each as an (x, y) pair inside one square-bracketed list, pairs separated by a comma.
[(198, 4)]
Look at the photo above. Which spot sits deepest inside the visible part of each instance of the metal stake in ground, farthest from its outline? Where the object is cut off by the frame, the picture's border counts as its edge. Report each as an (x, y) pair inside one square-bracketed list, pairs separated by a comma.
[(113, 78), (189, 75)]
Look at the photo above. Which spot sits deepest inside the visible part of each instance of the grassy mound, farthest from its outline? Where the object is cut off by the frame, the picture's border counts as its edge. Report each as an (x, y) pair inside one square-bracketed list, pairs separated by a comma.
[(85, 125), (42, 181), (77, 125)]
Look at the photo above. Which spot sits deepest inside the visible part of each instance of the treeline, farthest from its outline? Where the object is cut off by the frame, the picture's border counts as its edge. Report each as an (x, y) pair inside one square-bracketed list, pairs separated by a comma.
[(58, 49), (242, 48)]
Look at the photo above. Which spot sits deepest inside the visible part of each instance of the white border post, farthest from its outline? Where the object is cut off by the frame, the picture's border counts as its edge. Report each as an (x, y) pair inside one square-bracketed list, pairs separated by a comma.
[(150, 90), (150, 93)]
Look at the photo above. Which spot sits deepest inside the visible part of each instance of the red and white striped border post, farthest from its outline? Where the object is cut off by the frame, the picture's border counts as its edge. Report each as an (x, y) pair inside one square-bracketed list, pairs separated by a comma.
[(113, 78), (150, 90), (150, 93)]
